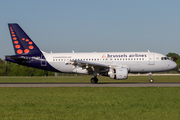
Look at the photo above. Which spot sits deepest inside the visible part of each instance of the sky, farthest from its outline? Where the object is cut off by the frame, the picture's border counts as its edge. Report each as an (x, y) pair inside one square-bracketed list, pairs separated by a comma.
[(94, 25)]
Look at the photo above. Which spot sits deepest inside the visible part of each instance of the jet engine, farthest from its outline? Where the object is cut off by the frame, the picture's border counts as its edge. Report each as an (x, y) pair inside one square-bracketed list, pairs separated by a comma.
[(118, 73)]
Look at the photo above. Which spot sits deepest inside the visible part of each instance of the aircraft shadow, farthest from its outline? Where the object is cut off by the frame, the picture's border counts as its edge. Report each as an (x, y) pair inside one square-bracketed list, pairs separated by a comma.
[(97, 83)]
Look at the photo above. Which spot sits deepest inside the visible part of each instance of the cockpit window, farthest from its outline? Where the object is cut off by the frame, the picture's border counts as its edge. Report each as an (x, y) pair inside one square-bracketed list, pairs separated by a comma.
[(164, 58)]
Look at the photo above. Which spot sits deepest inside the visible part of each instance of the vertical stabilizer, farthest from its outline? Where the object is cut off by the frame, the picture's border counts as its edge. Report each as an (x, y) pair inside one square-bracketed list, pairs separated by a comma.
[(22, 43)]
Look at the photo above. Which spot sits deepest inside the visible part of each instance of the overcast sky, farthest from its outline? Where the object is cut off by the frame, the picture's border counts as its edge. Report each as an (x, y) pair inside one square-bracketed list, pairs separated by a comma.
[(94, 25)]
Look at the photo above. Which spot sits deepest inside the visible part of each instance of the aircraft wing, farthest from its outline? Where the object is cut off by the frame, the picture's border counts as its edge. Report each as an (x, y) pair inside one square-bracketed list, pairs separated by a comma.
[(85, 64), (91, 67)]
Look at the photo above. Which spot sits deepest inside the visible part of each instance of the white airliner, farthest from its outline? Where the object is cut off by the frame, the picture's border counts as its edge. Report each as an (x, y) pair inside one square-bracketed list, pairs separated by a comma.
[(116, 65)]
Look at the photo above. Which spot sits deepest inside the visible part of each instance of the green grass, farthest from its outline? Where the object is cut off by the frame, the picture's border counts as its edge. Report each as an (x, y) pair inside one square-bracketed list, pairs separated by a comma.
[(86, 79), (90, 103)]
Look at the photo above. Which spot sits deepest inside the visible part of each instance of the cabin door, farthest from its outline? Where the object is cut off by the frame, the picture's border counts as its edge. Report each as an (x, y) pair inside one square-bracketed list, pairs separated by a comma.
[(43, 61), (151, 59)]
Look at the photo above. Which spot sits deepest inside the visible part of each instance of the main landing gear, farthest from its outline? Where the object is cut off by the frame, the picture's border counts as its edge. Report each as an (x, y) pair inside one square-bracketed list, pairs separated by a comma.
[(150, 76), (94, 80)]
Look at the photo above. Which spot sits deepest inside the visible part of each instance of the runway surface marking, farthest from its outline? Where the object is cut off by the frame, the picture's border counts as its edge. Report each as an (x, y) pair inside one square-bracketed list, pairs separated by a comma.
[(89, 85)]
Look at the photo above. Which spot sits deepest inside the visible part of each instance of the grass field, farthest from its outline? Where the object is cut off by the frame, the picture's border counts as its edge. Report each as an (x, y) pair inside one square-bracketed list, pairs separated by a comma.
[(90, 103), (86, 79)]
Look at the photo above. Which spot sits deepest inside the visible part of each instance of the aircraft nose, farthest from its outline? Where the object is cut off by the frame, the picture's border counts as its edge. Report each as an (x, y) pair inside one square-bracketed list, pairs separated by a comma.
[(173, 65)]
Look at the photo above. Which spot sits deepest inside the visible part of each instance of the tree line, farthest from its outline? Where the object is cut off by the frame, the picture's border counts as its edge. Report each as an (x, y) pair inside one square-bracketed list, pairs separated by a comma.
[(13, 69)]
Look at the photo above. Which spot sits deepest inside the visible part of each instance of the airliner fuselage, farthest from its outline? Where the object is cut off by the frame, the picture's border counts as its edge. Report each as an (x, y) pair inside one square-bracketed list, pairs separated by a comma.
[(116, 65), (136, 62)]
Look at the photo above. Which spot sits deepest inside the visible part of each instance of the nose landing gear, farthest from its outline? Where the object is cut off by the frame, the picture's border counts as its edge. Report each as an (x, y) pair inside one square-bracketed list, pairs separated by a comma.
[(151, 80), (150, 76)]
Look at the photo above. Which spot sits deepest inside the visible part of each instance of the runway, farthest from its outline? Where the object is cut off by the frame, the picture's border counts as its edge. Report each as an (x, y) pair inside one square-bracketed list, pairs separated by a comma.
[(89, 85)]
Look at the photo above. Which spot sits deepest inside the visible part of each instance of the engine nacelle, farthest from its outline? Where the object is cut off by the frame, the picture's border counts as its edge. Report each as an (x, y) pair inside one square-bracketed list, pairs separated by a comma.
[(118, 73)]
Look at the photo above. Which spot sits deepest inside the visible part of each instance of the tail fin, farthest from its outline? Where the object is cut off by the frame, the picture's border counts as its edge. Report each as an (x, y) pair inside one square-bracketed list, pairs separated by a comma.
[(21, 41)]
